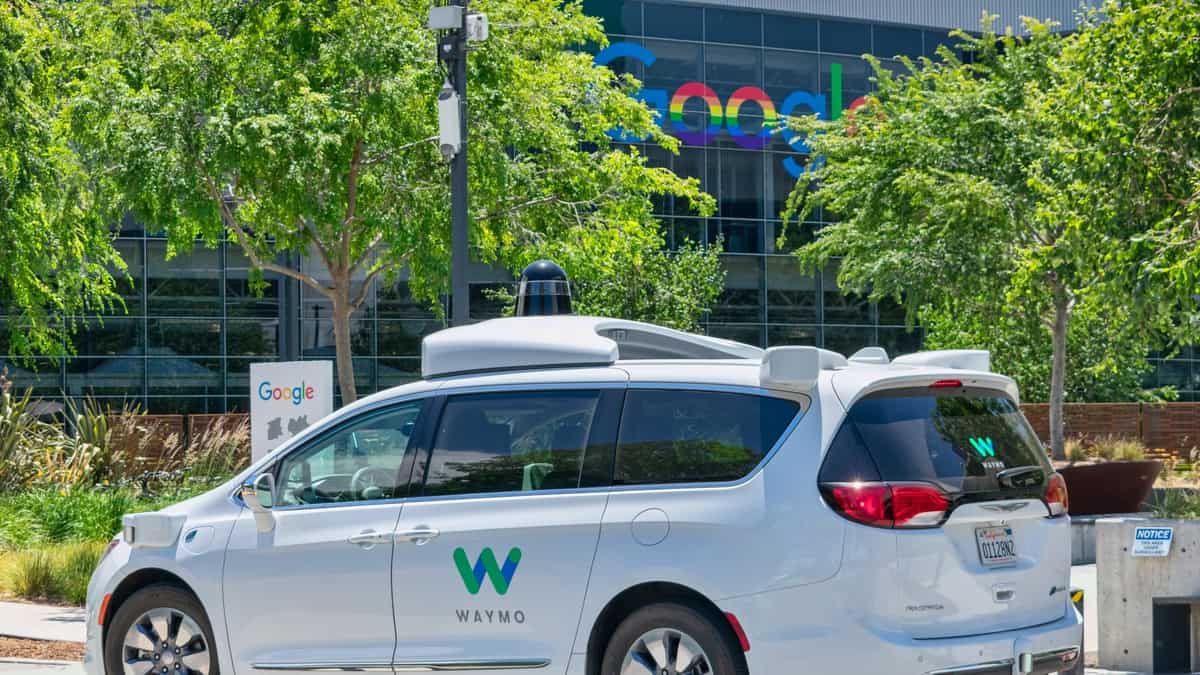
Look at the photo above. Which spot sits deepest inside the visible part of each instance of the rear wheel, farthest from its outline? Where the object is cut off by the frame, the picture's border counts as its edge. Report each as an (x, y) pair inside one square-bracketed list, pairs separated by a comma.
[(671, 639), (160, 630)]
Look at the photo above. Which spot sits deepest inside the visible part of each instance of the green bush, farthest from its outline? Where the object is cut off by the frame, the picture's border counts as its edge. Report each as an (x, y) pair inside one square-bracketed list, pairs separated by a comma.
[(1178, 504), (47, 516), (31, 575), (58, 573), (1116, 449), (74, 571)]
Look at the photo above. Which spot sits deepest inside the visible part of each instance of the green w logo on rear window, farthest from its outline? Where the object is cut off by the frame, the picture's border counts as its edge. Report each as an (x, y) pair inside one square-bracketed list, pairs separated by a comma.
[(983, 446), (486, 565)]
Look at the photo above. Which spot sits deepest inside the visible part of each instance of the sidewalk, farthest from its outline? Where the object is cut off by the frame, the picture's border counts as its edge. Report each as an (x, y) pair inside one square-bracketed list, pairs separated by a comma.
[(42, 622), (18, 666)]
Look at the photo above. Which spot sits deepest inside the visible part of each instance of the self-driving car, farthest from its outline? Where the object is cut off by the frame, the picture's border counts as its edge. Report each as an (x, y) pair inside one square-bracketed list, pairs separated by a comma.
[(592, 496)]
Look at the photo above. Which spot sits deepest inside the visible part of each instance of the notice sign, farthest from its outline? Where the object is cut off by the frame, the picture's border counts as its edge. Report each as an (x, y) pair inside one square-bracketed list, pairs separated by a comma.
[(1152, 542), (285, 398)]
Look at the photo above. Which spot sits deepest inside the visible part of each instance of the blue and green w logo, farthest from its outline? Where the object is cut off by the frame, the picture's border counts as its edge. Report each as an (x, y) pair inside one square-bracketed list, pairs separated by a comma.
[(983, 446), (486, 565)]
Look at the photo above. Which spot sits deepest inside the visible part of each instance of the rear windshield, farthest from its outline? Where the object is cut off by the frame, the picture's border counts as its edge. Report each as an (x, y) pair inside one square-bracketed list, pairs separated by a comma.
[(964, 439)]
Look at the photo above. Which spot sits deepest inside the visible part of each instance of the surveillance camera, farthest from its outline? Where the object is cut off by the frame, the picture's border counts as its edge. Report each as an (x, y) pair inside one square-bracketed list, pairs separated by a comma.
[(449, 122)]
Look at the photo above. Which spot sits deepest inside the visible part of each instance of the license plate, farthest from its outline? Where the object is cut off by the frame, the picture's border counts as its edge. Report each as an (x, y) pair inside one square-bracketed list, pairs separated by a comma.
[(996, 546)]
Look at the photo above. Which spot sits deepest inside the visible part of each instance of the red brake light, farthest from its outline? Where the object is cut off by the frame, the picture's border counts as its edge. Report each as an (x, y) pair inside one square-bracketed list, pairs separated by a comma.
[(906, 505), (946, 384), (1056, 495), (864, 502)]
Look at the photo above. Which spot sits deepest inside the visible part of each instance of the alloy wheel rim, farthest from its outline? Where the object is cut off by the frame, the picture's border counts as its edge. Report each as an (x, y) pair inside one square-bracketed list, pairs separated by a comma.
[(165, 641), (666, 651)]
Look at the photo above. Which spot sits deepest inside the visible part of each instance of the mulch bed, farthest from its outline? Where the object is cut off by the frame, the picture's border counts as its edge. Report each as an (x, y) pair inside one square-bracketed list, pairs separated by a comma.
[(50, 650)]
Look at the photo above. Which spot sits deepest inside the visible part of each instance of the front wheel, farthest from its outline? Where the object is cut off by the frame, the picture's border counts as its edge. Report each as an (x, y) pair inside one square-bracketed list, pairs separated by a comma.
[(160, 630), (671, 639)]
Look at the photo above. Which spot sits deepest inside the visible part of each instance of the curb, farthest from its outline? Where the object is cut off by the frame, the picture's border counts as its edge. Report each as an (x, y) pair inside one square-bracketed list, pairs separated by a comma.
[(37, 662)]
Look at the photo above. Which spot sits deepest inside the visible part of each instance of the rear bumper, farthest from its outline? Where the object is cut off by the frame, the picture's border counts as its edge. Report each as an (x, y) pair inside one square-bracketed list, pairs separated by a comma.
[(1060, 660), (823, 639)]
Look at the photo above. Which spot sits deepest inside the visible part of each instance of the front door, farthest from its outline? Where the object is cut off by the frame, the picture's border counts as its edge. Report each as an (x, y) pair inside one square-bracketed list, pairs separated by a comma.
[(492, 560), (315, 592)]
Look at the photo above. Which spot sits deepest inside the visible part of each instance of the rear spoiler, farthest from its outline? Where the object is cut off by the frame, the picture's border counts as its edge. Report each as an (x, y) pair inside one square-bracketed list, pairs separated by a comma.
[(958, 359)]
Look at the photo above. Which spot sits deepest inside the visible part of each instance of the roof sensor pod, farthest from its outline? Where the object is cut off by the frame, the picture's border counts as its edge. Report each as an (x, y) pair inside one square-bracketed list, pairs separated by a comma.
[(544, 290)]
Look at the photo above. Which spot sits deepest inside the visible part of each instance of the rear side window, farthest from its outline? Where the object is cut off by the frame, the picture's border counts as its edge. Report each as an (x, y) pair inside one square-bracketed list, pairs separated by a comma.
[(964, 440), (673, 436)]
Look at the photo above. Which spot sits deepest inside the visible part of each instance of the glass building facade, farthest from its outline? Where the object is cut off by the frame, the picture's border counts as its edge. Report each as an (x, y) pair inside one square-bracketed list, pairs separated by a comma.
[(719, 76)]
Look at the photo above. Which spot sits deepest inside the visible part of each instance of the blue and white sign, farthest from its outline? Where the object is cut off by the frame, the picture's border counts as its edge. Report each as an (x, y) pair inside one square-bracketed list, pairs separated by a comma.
[(1152, 542)]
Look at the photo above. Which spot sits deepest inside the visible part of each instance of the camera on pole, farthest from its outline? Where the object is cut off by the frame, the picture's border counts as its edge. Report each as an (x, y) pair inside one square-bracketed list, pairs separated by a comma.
[(456, 27), (449, 121)]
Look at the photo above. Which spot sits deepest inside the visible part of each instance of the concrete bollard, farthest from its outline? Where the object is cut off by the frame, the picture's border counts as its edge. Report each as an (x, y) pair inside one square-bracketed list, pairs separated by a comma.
[(1149, 605)]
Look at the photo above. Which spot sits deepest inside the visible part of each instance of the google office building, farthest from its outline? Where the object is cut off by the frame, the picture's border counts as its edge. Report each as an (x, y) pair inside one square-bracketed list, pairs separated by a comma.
[(717, 71)]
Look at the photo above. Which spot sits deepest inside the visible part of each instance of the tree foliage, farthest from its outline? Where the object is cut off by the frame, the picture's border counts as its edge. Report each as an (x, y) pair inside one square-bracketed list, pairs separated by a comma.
[(310, 128), (956, 186), (1107, 351), (1128, 103), (56, 258)]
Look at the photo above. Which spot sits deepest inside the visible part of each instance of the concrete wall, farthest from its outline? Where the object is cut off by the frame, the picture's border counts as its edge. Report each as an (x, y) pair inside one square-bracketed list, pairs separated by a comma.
[(1127, 588)]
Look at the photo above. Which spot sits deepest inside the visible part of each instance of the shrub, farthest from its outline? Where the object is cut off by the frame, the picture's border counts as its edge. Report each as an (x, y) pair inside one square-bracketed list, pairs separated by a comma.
[(31, 574), (1178, 504), (73, 570), (1117, 449), (215, 453), (59, 573), (1075, 450)]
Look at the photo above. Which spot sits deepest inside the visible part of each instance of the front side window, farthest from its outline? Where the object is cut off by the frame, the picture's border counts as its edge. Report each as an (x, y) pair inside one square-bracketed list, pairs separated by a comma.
[(364, 460), (511, 442), (670, 436)]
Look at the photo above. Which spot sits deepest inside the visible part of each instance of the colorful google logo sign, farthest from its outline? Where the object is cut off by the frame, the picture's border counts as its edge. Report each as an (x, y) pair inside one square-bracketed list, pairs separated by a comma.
[(670, 111)]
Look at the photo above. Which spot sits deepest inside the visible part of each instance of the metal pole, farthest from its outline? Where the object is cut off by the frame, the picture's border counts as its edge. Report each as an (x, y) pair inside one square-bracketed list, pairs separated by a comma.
[(459, 239)]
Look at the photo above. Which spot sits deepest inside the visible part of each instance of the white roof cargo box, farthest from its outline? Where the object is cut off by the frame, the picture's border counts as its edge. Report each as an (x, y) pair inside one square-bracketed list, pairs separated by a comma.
[(559, 341)]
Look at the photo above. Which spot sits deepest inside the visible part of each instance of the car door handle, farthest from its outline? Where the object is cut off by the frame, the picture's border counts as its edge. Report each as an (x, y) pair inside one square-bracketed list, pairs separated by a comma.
[(369, 538), (419, 535)]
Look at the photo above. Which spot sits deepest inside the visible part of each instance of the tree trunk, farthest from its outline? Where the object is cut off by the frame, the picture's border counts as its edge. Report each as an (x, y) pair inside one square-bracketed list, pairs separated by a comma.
[(1058, 371), (341, 340)]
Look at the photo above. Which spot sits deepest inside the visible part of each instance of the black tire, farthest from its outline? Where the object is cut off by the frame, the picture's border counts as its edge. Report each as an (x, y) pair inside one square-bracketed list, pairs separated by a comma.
[(714, 638), (153, 597)]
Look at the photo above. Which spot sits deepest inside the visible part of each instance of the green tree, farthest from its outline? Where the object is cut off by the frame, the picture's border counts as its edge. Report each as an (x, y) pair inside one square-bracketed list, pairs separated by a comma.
[(56, 258), (1107, 351), (615, 276), (310, 128), (949, 184), (1128, 102)]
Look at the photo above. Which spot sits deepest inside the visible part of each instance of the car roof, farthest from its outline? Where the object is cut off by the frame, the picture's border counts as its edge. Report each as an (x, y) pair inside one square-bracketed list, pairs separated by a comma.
[(527, 351)]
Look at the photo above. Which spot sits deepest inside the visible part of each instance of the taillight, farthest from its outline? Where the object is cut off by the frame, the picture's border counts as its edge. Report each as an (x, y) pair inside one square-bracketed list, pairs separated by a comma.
[(889, 505), (1056, 495), (946, 384)]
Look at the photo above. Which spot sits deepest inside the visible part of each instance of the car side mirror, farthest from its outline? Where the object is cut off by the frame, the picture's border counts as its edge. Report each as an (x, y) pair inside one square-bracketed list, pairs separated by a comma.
[(259, 494)]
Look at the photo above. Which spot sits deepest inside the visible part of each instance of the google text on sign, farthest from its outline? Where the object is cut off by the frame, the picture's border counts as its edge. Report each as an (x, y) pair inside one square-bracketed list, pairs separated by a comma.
[(285, 399)]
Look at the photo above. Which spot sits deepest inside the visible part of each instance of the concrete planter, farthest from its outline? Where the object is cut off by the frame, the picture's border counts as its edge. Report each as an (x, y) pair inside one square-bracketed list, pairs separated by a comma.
[(1149, 608), (1110, 487)]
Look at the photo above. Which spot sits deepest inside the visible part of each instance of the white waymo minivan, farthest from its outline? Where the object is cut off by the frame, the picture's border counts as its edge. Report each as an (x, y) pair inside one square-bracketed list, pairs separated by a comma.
[(592, 496)]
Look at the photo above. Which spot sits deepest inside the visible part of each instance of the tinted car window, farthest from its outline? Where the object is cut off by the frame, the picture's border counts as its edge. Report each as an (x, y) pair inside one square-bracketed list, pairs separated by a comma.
[(520, 441), (361, 461), (968, 440), (670, 436)]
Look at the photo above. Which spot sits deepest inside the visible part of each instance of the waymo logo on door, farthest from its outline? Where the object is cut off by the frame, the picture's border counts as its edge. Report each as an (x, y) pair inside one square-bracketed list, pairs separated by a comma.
[(487, 566)]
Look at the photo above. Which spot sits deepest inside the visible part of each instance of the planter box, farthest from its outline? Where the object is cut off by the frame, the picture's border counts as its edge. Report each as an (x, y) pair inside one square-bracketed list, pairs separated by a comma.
[(1110, 487)]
